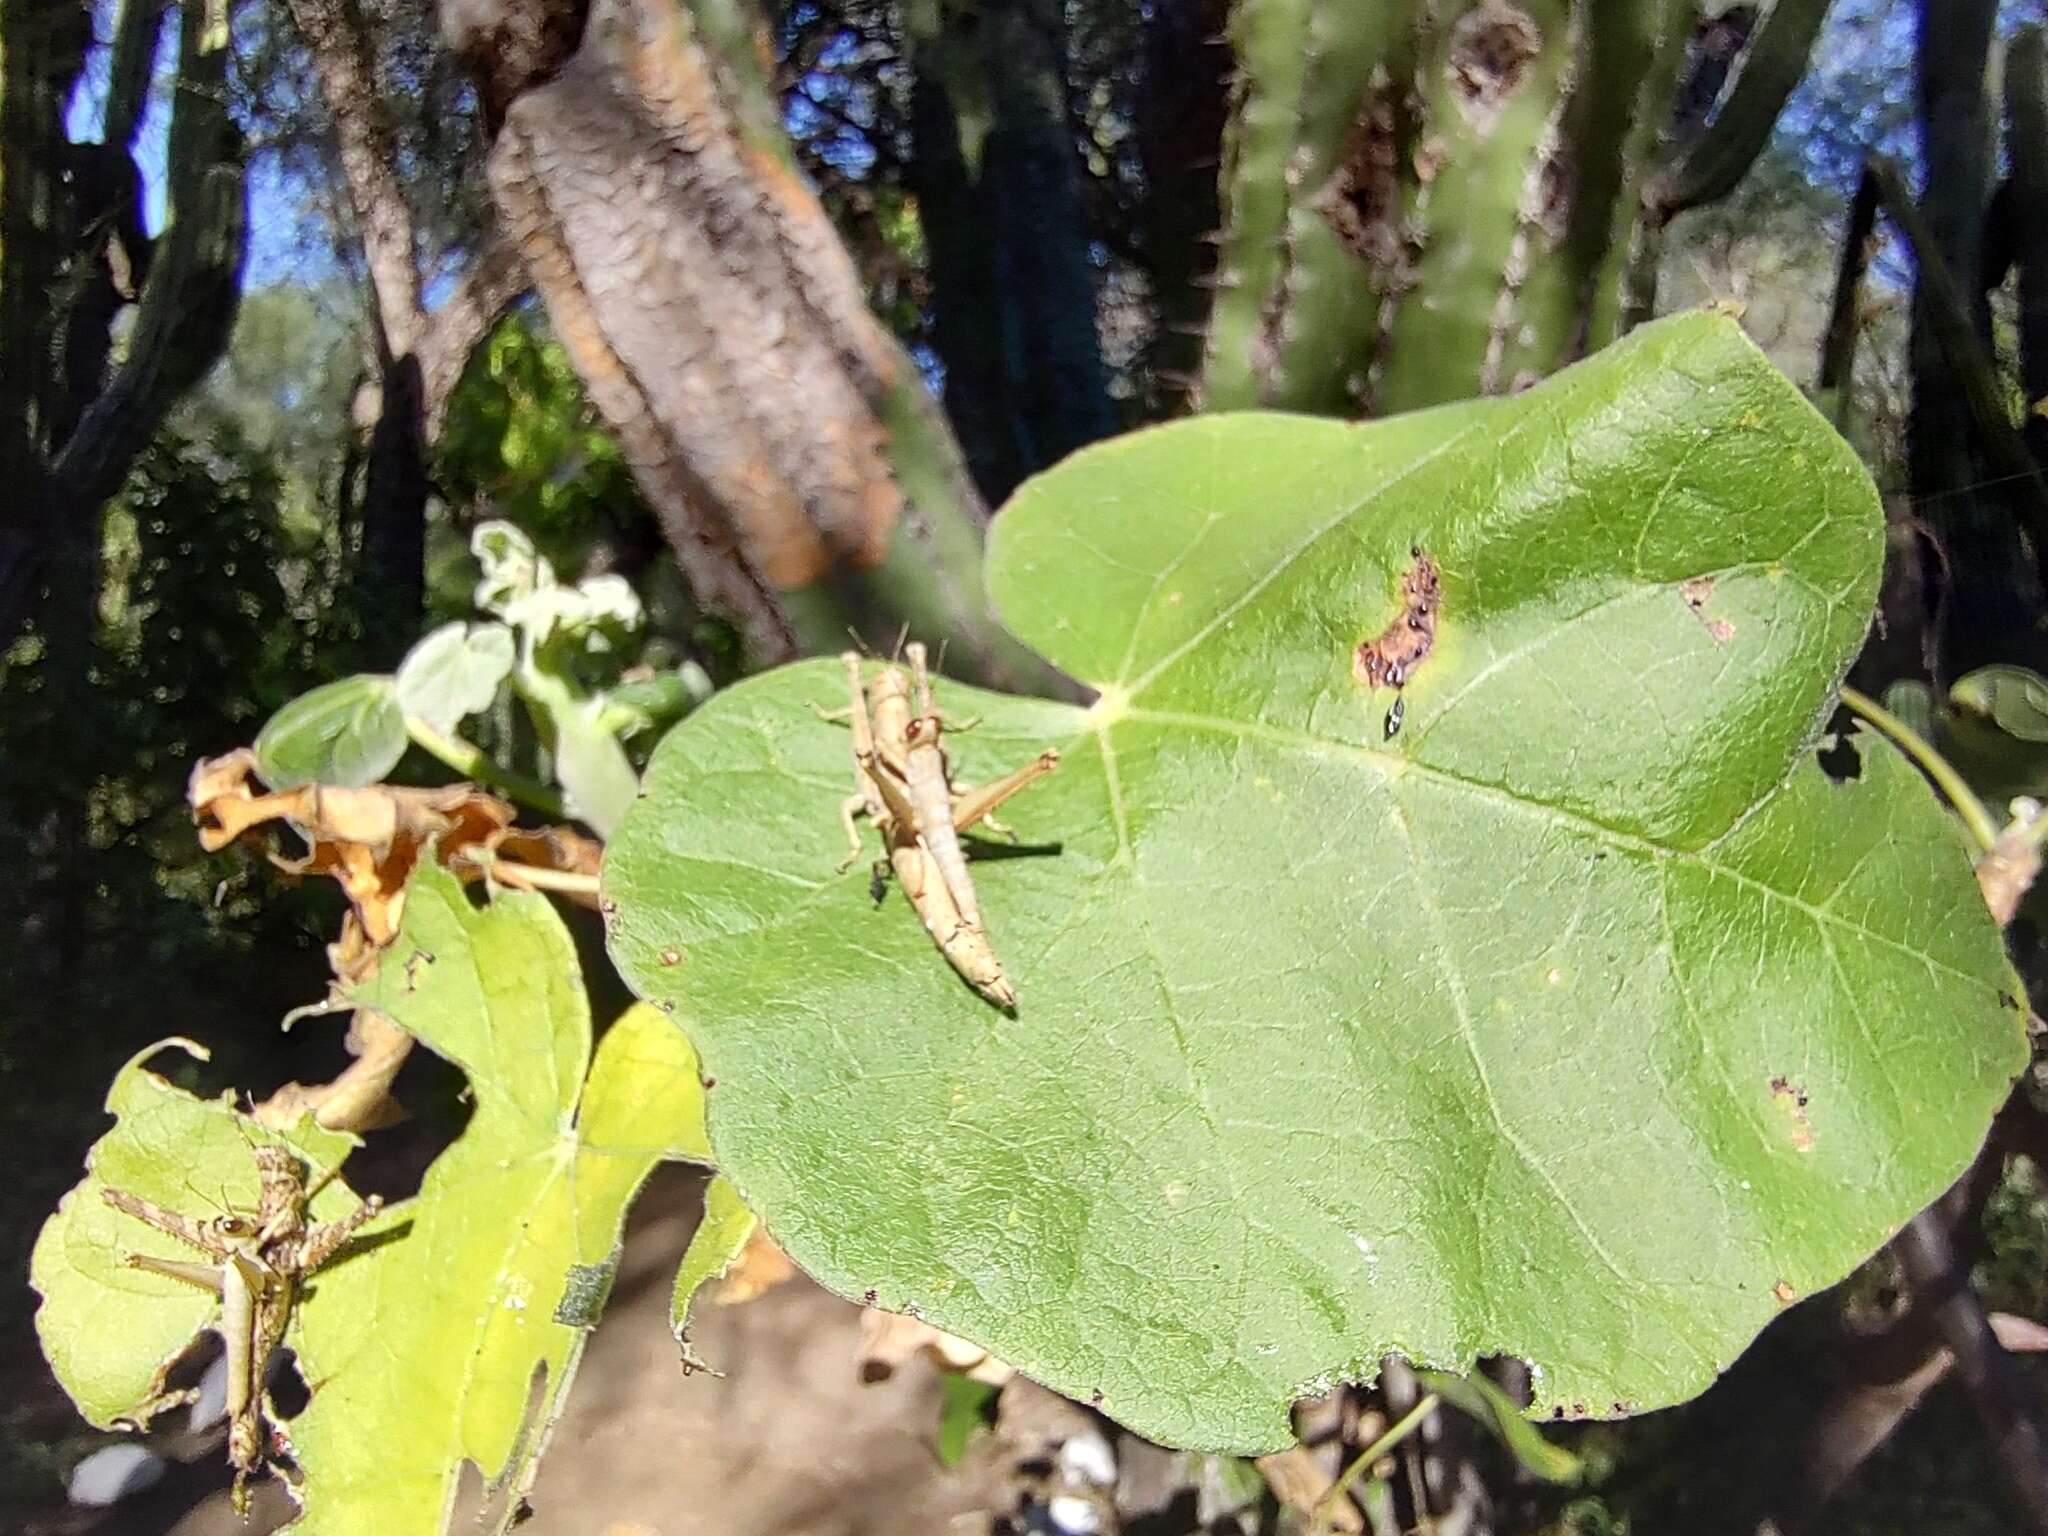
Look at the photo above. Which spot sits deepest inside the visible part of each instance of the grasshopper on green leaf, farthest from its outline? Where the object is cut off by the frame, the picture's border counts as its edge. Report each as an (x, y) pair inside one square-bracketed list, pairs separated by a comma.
[(255, 1264), (906, 789)]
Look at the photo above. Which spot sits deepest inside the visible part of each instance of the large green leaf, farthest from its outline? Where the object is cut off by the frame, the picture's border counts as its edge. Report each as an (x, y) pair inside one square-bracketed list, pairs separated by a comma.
[(1584, 1020), (449, 1332)]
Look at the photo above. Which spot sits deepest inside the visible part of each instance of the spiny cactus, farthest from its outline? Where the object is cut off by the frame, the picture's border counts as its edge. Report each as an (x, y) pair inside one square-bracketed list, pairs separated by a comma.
[(1428, 201)]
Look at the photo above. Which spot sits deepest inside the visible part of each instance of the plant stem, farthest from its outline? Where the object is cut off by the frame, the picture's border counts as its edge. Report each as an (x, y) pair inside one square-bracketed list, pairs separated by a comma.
[(1405, 1426), (538, 878), (472, 762), (1931, 762)]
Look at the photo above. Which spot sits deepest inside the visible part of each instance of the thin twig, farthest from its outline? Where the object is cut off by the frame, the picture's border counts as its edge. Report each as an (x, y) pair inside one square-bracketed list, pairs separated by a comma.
[(1932, 763)]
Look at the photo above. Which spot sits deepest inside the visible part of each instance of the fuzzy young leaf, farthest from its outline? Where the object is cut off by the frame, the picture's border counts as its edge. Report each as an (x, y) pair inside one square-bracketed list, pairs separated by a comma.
[(1331, 1044), (347, 733), (2014, 698), (455, 672), (595, 773)]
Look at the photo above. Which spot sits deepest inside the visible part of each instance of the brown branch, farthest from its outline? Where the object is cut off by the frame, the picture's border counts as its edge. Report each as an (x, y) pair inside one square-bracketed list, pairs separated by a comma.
[(495, 278), (2011, 1415), (346, 67)]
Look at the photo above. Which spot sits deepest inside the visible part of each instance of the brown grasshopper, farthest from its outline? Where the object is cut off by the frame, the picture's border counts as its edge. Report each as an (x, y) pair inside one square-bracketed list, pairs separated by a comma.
[(257, 1264), (906, 789)]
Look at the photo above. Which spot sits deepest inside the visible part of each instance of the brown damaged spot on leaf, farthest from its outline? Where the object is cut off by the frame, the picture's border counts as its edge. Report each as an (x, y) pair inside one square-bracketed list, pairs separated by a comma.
[(1697, 592), (1784, 1292), (889, 1340), (1791, 1100), (1391, 659)]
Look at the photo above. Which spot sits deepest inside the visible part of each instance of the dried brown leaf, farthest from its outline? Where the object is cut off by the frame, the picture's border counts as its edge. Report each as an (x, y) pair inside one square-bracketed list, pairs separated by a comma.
[(1301, 1482), (888, 1340), (760, 1267)]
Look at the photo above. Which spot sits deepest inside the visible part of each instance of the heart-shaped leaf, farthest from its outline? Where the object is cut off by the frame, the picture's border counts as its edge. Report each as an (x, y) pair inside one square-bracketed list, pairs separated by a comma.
[(1583, 1020), (347, 733)]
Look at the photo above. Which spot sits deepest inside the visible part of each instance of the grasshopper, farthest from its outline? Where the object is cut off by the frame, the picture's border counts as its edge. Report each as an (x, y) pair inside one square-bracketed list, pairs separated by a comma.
[(906, 789), (256, 1266)]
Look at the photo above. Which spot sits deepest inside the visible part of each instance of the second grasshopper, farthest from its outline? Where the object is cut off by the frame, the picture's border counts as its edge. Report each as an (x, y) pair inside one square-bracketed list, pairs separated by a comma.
[(255, 1264), (906, 789)]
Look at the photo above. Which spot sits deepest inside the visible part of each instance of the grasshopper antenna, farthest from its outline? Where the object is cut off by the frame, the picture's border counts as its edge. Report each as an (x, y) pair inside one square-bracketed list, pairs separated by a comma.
[(859, 641), (902, 635)]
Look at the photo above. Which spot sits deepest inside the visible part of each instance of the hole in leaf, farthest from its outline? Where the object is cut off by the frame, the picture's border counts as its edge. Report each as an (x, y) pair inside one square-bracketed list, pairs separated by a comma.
[(1840, 758), (438, 1106), (289, 1391)]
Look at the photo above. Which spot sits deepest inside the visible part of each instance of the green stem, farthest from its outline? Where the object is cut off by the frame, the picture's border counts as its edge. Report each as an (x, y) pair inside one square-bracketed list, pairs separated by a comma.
[(1932, 763), (1405, 1426), (473, 763)]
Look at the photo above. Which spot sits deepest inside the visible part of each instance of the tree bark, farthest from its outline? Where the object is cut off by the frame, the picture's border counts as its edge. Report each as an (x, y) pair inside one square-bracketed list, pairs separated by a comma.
[(421, 353), (804, 479), (2003, 621), (2026, 137)]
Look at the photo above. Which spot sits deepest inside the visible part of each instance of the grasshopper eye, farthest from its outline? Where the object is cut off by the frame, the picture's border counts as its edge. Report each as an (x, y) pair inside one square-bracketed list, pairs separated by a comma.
[(233, 1226)]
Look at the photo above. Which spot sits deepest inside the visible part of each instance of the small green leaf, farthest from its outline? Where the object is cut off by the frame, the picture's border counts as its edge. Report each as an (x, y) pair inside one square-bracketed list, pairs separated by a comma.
[(455, 672), (966, 1407), (348, 733), (1481, 1399), (596, 776), (1331, 1044), (654, 703), (721, 1237), (2015, 698)]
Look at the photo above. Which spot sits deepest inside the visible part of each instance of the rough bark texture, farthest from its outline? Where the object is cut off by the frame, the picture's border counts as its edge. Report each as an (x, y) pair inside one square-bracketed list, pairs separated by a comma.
[(804, 481), (2026, 137), (1838, 343), (421, 354), (1427, 202)]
